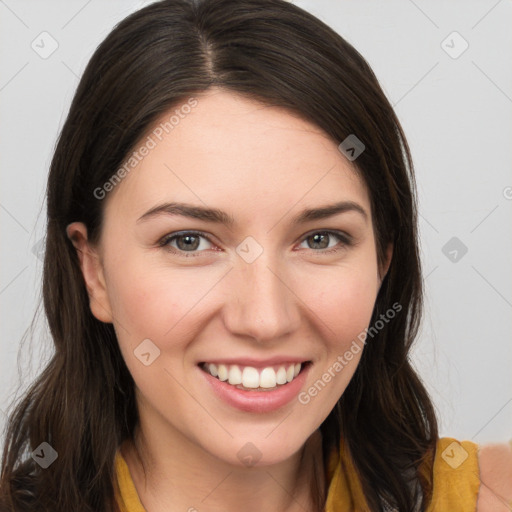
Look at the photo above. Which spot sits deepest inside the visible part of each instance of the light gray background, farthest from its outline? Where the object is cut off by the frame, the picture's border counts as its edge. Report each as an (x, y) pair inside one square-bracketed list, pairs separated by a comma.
[(456, 113)]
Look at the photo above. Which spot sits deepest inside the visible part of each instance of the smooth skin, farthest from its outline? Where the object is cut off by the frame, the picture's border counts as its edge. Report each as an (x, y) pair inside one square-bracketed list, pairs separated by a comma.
[(496, 476), (262, 166)]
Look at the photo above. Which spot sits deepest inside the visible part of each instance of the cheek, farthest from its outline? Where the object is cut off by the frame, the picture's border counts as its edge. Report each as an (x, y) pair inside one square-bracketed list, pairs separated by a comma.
[(148, 300), (343, 299), (342, 303), (153, 301), (155, 304)]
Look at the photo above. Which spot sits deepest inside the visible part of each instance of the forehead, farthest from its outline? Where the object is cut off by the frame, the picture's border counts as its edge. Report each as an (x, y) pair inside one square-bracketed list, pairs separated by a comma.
[(239, 155)]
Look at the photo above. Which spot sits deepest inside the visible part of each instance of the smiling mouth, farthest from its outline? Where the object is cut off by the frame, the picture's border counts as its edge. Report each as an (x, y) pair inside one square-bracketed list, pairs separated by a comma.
[(253, 379)]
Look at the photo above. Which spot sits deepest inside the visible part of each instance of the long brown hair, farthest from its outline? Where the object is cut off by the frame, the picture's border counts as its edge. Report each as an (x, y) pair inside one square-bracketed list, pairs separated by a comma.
[(83, 402)]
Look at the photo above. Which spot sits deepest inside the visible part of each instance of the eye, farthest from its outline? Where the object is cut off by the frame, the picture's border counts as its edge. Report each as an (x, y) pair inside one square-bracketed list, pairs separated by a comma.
[(192, 242), (321, 240), (186, 241)]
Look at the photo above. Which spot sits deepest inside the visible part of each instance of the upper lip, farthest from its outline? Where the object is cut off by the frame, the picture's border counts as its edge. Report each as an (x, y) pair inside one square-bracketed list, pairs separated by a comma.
[(257, 363)]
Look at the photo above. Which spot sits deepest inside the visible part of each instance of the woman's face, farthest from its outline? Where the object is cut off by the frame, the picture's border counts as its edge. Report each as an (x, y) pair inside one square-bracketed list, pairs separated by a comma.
[(263, 288)]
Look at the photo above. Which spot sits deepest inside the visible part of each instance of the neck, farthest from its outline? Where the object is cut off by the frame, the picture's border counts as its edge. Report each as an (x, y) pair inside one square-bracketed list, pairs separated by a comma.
[(181, 478)]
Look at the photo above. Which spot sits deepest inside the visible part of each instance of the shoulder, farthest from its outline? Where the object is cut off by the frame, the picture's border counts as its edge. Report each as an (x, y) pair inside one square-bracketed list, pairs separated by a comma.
[(495, 464)]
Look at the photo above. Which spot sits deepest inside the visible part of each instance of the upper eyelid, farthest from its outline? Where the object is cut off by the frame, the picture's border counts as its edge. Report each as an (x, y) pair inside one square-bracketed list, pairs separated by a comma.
[(177, 234)]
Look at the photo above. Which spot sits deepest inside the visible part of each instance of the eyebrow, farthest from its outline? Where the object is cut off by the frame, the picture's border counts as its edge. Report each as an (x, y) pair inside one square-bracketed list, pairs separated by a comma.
[(220, 217)]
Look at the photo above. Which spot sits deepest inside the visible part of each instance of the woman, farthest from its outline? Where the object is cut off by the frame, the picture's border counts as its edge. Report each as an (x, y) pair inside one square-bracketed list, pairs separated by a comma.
[(233, 285)]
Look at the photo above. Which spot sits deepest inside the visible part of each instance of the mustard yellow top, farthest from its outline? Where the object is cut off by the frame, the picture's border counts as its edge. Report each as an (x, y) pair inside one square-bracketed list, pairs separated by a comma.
[(456, 481)]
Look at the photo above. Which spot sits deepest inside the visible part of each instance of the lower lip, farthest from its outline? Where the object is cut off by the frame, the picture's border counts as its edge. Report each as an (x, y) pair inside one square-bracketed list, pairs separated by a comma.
[(257, 401)]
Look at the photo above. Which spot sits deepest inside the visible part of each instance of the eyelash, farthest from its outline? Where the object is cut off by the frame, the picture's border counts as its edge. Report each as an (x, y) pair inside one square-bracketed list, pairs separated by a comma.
[(346, 241)]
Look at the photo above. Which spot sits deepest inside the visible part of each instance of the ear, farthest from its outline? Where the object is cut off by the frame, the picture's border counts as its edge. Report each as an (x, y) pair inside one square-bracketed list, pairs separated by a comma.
[(92, 271), (383, 270)]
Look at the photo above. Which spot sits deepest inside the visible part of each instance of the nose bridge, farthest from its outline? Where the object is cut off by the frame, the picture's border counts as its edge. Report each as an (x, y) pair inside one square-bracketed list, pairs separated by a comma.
[(261, 306)]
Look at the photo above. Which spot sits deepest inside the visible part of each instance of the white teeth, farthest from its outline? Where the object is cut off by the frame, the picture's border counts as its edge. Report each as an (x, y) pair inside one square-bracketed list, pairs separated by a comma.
[(250, 377), (213, 369), (281, 375), (222, 372), (290, 372), (268, 378), (235, 375)]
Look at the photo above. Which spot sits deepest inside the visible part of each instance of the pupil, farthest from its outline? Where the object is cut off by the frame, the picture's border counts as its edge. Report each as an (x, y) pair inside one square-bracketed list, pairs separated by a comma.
[(188, 245), (317, 236)]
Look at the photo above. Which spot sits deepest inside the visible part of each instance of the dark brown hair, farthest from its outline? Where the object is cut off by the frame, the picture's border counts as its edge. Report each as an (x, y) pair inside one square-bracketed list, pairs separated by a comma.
[(83, 402)]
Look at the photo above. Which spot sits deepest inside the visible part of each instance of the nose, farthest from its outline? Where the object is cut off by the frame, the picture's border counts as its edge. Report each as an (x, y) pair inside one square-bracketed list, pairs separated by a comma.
[(262, 304)]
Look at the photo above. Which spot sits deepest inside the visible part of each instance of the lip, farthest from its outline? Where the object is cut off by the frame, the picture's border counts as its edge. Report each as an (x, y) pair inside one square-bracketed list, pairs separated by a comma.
[(258, 401)]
